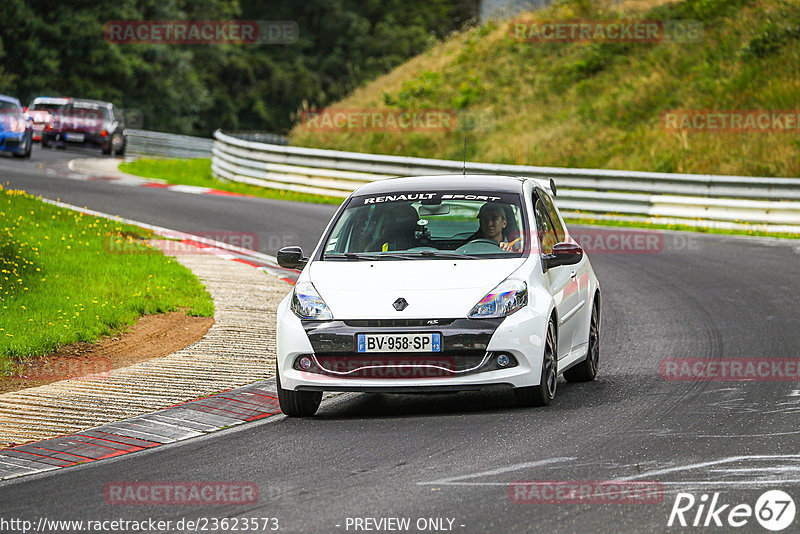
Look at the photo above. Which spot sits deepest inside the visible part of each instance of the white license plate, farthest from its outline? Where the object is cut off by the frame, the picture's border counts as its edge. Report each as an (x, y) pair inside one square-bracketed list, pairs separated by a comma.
[(75, 137), (399, 342)]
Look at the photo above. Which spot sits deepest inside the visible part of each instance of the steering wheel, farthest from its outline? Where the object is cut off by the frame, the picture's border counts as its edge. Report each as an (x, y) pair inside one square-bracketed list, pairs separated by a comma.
[(483, 240), (480, 245)]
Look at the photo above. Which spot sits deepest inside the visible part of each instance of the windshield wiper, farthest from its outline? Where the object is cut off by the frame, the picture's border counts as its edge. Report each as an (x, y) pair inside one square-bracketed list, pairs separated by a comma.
[(349, 256), (441, 254), (358, 256), (412, 255)]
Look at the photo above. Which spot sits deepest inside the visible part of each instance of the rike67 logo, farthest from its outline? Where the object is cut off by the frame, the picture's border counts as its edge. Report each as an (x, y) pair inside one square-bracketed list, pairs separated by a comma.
[(774, 510)]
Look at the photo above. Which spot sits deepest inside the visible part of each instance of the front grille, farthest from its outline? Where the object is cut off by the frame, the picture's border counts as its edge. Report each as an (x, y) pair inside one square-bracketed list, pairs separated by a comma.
[(397, 323), (428, 365)]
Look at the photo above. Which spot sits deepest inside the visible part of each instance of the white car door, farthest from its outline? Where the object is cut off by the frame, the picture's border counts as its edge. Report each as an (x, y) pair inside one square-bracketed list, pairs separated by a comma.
[(562, 281), (579, 273)]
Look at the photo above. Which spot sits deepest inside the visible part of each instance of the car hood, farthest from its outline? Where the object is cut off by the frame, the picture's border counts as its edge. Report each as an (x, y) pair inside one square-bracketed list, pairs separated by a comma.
[(433, 288)]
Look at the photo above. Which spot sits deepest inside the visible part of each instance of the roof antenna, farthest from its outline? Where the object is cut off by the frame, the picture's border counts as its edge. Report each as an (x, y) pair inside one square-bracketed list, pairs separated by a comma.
[(465, 155)]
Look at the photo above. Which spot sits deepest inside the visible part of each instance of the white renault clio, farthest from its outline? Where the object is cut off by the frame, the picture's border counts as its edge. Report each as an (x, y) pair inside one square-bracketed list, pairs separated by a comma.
[(439, 283)]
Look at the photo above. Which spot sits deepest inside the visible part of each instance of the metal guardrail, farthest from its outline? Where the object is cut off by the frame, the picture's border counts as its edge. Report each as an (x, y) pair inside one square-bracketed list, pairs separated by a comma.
[(262, 137), (144, 143), (699, 199)]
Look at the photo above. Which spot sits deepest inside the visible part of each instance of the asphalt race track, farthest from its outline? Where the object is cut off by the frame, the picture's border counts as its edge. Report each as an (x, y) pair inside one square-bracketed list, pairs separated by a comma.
[(275, 223), (453, 456)]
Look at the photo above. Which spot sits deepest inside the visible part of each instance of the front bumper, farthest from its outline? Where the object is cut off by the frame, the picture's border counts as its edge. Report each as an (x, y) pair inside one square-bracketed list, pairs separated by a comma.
[(468, 360), (13, 142)]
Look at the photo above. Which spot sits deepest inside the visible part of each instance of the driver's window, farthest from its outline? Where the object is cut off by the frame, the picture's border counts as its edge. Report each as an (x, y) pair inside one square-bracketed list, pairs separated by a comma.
[(551, 211), (547, 236)]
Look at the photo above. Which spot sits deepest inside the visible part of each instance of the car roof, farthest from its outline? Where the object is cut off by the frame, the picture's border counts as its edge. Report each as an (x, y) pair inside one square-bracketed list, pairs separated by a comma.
[(11, 99), (446, 182), (50, 100), (91, 102)]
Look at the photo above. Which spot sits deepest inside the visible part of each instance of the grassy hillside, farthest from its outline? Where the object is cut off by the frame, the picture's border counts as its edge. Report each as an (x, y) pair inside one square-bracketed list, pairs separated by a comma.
[(600, 104)]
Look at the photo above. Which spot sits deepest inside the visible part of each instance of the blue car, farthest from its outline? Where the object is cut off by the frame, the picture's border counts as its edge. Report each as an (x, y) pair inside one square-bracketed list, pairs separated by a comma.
[(16, 130)]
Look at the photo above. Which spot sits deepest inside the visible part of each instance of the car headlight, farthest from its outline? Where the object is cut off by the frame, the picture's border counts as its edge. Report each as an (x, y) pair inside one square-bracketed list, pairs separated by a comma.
[(307, 304), (508, 297)]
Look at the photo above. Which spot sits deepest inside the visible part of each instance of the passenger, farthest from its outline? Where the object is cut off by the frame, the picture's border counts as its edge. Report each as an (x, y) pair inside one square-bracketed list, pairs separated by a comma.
[(397, 230), (493, 223)]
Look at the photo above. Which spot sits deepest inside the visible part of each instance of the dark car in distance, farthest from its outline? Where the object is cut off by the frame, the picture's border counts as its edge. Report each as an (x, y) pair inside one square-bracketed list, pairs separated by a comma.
[(87, 123)]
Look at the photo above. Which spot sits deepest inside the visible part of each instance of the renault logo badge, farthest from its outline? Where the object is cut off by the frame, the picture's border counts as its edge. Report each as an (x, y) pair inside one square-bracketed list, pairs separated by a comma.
[(400, 304)]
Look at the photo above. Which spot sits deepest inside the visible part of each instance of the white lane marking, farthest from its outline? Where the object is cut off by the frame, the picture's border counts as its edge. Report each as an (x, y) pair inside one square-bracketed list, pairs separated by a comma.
[(785, 410), (767, 473), (167, 232), (456, 481), (794, 393), (732, 436), (781, 469), (689, 467), (734, 483), (192, 189)]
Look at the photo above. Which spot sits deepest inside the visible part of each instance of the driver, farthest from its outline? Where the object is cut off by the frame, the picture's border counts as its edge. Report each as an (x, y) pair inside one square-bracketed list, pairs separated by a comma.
[(493, 222)]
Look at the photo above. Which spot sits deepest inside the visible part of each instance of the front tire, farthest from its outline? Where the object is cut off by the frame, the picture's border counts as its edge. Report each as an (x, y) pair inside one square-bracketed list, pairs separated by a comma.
[(544, 393), (297, 403), (27, 153), (586, 371)]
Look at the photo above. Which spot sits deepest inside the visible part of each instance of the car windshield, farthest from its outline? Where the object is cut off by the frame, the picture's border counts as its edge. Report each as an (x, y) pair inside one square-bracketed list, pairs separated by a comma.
[(36, 106), (87, 111), (8, 108), (441, 225)]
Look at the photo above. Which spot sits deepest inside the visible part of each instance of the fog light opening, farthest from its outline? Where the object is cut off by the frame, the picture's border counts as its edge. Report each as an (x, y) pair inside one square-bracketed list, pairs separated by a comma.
[(503, 360), (304, 363)]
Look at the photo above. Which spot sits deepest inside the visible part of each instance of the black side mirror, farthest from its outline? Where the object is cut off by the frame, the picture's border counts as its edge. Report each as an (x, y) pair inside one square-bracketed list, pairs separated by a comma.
[(563, 254), (292, 258)]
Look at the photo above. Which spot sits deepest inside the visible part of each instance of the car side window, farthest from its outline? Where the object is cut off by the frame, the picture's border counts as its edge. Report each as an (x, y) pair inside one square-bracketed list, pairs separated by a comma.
[(561, 234), (547, 235)]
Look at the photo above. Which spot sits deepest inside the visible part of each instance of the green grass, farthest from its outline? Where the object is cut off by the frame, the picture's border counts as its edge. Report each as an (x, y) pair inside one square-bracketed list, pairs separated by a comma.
[(63, 279), (198, 172), (588, 220), (598, 105)]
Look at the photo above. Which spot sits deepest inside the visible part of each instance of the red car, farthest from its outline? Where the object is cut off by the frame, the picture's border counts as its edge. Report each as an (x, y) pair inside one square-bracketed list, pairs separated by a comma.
[(42, 110), (90, 123)]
